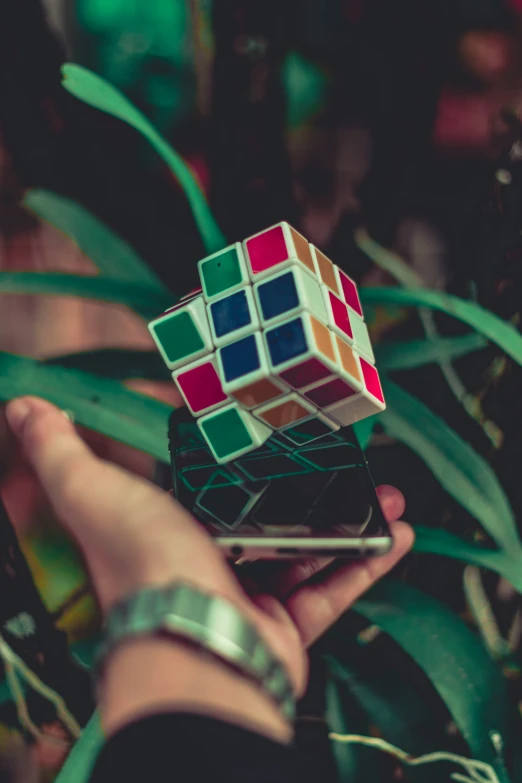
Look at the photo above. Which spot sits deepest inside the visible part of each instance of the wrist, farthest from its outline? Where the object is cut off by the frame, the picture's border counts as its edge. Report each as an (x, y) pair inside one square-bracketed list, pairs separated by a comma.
[(148, 675)]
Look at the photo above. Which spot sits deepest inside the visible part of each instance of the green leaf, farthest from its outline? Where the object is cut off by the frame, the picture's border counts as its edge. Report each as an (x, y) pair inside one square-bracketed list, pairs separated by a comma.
[(95, 91), (80, 761), (417, 353), (387, 260), (100, 404), (118, 364), (110, 253), (485, 323), (453, 659), (440, 542), (364, 430), (148, 302), (391, 703), (461, 471)]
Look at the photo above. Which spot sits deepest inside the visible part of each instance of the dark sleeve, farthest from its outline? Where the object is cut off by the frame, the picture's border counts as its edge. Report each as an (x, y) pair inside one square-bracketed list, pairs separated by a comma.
[(184, 747)]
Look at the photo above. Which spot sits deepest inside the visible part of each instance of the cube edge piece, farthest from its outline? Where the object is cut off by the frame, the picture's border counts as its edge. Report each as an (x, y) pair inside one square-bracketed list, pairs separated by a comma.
[(338, 274), (263, 370), (211, 359)]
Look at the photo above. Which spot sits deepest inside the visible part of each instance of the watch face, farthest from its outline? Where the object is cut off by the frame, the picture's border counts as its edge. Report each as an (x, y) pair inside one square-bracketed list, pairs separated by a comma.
[(320, 487)]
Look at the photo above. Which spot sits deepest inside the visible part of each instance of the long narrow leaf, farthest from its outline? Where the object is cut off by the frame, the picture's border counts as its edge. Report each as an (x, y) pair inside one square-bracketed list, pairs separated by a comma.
[(114, 257), (484, 322), (92, 89), (416, 353), (461, 471), (440, 542), (453, 659), (98, 403), (145, 301)]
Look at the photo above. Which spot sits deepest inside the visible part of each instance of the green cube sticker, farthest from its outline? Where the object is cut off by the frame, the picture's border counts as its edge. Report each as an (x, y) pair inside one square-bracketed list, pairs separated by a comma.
[(178, 336), (221, 272), (227, 433)]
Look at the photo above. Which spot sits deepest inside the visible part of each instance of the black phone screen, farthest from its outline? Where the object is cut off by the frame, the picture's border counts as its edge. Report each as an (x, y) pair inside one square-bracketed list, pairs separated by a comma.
[(322, 488)]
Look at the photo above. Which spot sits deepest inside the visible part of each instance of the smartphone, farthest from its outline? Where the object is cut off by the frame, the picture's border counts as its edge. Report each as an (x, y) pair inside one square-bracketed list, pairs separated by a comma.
[(283, 500)]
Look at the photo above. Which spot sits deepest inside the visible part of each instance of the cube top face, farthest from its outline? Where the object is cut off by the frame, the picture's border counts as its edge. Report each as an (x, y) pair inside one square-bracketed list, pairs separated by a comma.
[(183, 334), (284, 411), (325, 270), (200, 386), (287, 292), (275, 246), (223, 272), (232, 316), (349, 292)]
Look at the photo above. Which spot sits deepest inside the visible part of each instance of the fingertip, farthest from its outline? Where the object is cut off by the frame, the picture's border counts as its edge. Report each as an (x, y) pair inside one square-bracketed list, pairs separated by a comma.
[(403, 537), (392, 502)]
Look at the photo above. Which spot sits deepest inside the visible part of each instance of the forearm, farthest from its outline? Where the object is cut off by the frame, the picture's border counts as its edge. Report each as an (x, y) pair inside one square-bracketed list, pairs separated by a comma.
[(154, 675)]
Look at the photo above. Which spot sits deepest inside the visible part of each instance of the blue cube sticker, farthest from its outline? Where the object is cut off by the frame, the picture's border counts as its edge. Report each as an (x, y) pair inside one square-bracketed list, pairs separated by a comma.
[(286, 341), (240, 358), (278, 296), (230, 313)]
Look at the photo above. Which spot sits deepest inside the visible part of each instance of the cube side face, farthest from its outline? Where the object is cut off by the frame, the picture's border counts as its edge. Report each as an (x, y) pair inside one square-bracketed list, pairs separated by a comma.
[(223, 272), (349, 365), (284, 411), (200, 386), (324, 394), (274, 248), (242, 362), (232, 317), (183, 335), (338, 315)]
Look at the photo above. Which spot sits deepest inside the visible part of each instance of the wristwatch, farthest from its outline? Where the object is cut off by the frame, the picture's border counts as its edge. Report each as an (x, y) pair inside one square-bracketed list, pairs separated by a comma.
[(207, 621)]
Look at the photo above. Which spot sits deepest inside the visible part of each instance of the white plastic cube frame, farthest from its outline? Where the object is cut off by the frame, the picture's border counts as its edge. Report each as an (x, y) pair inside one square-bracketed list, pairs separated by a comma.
[(196, 307), (308, 293), (262, 372), (313, 351), (293, 258), (278, 401), (209, 359), (245, 279), (236, 334), (258, 432), (361, 339)]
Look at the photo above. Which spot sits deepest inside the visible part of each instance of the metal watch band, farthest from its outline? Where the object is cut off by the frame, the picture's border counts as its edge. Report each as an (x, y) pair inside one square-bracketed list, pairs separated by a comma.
[(208, 621)]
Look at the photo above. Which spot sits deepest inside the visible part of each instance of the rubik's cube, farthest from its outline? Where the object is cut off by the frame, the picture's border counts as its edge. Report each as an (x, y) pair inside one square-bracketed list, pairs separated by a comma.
[(275, 340)]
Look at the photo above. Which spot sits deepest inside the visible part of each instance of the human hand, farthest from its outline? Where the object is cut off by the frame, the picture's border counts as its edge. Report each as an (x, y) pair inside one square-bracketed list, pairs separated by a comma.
[(133, 534)]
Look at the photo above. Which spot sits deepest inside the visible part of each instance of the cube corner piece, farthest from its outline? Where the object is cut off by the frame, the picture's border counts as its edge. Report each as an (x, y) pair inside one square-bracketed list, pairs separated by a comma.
[(367, 402), (276, 247), (231, 432), (182, 334)]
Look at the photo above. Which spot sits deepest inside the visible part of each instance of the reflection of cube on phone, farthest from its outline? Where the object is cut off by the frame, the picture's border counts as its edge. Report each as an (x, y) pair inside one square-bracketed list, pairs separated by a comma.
[(231, 432)]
